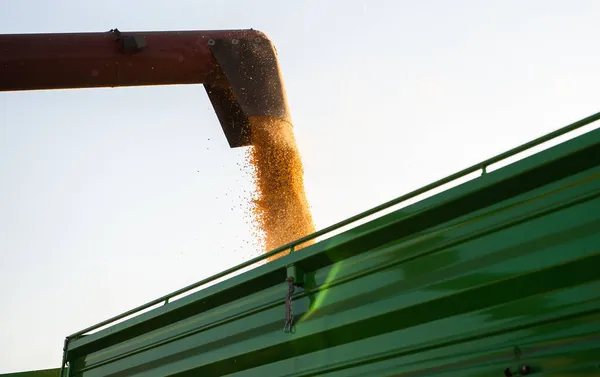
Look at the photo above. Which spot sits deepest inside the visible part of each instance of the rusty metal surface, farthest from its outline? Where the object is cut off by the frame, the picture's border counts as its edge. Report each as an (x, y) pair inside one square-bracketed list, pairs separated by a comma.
[(255, 89), (239, 68), (87, 60)]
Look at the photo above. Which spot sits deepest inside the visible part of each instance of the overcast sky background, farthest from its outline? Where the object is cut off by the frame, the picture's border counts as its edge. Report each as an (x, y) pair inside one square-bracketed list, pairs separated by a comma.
[(112, 197)]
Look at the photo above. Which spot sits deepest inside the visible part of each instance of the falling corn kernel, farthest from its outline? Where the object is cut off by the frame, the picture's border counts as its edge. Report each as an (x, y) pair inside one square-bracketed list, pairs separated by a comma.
[(279, 210)]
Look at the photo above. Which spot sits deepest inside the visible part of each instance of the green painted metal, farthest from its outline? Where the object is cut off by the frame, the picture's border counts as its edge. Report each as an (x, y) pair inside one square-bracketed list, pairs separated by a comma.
[(480, 166), (451, 285), (36, 373), (496, 273)]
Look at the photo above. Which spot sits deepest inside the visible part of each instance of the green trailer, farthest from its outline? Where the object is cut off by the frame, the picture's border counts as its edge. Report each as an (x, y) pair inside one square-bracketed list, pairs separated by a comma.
[(496, 276)]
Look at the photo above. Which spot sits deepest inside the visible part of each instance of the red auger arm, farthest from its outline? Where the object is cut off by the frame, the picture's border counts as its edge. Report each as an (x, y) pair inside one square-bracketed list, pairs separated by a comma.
[(239, 68)]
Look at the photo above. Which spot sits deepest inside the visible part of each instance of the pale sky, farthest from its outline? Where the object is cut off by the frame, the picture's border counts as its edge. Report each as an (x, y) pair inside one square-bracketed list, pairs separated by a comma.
[(110, 198)]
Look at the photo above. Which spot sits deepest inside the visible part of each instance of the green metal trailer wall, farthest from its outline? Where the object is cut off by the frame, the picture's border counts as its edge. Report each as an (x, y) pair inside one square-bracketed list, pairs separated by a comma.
[(498, 273)]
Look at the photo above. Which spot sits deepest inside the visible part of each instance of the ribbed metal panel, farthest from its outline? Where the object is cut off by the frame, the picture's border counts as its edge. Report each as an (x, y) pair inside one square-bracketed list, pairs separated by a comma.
[(501, 271)]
